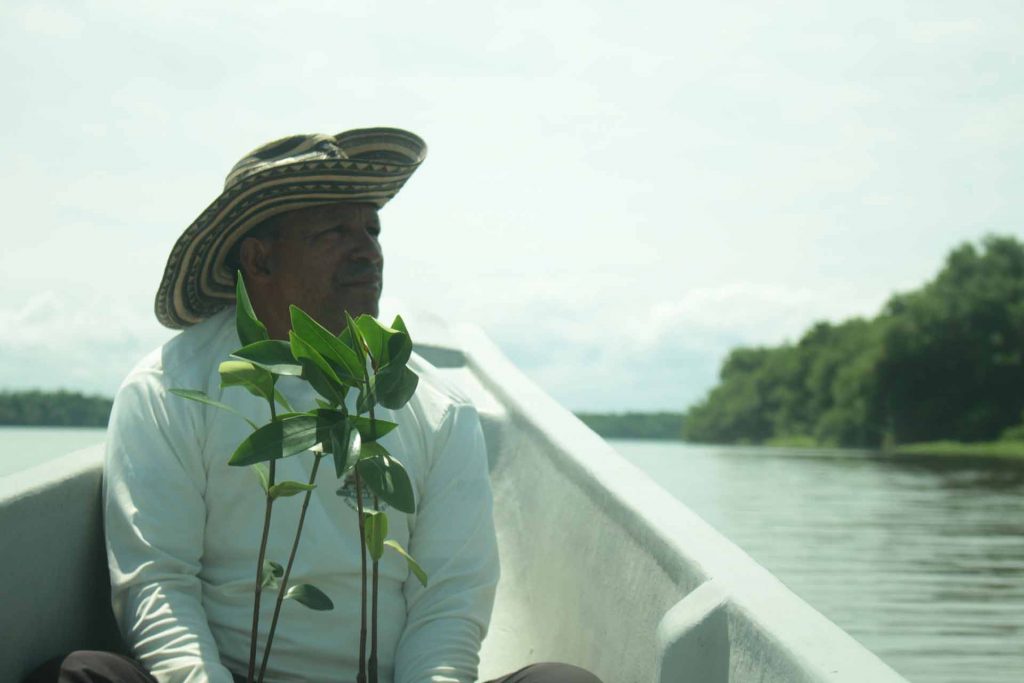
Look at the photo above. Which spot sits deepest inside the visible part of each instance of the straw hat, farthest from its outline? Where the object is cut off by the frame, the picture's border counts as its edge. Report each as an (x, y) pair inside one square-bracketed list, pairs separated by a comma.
[(365, 165)]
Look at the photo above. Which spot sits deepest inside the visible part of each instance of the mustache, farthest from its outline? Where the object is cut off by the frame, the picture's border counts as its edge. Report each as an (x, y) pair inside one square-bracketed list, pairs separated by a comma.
[(360, 271)]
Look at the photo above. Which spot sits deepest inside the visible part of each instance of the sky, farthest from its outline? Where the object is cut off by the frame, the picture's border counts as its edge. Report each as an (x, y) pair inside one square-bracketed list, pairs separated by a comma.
[(617, 193)]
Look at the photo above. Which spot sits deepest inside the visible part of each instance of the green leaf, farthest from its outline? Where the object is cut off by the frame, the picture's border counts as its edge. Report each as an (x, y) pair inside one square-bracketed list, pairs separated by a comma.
[(386, 477), (328, 421), (327, 405), (289, 488), (250, 329), (400, 346), (371, 430), (255, 380), (395, 385), (279, 397), (345, 450), (336, 435), (310, 596), (351, 336), (373, 450), (285, 416), (316, 370), (272, 571), (375, 528), (278, 439), (414, 566), (201, 397), (365, 400), (344, 360), (389, 347), (376, 337), (271, 354), (263, 472)]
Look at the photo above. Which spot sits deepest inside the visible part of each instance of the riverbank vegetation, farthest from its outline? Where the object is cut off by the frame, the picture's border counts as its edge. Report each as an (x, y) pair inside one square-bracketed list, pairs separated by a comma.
[(954, 449), (943, 363), (53, 409), (635, 425)]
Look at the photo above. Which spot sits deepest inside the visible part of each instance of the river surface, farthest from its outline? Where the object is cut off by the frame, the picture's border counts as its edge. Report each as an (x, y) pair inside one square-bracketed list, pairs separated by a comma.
[(921, 560)]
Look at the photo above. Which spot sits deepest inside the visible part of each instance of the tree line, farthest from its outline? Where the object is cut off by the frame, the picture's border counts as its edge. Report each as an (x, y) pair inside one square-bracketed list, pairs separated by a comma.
[(635, 425), (53, 408), (942, 362)]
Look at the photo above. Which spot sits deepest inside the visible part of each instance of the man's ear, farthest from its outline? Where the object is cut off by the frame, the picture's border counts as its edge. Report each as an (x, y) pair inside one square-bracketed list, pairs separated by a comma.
[(255, 259)]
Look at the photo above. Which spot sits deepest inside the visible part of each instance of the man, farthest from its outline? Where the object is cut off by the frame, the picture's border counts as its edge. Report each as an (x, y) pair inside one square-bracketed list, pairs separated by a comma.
[(299, 217)]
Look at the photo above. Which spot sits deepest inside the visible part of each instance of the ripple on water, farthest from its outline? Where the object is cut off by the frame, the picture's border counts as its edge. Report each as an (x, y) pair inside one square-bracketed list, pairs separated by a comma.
[(921, 560)]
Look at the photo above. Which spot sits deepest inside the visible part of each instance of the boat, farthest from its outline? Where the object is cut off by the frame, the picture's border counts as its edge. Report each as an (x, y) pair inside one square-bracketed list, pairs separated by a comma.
[(601, 567)]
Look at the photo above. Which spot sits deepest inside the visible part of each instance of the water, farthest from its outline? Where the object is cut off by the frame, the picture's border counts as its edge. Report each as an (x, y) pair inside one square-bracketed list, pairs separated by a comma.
[(24, 447), (921, 560)]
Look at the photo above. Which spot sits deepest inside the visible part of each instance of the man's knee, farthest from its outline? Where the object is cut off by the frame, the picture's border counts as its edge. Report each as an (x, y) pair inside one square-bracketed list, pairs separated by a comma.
[(90, 666)]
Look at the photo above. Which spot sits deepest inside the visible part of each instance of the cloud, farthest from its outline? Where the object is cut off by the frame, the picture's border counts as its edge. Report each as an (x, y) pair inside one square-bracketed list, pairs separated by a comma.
[(666, 355), (72, 341), (49, 21), (946, 29)]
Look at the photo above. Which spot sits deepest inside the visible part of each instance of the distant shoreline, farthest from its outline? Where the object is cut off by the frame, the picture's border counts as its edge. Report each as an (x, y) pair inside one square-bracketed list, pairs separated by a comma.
[(61, 408), (68, 409), (667, 427)]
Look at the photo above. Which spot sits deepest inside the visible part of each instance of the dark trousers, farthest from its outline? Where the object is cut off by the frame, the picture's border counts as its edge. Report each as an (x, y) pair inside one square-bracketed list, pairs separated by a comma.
[(88, 666)]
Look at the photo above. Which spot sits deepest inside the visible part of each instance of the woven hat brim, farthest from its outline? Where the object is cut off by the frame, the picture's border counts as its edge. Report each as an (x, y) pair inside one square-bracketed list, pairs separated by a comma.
[(197, 282)]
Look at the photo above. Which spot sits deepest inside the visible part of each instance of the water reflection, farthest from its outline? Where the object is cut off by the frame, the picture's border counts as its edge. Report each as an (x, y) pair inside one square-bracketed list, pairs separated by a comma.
[(920, 558)]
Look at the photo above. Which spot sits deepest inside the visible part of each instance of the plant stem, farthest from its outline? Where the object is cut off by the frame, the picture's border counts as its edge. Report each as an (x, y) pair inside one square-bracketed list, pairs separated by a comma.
[(259, 566), (361, 678), (373, 641), (288, 569), (259, 580), (376, 563)]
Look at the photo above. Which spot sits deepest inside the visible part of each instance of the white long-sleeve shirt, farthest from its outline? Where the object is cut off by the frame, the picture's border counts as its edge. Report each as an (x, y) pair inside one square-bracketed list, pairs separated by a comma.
[(183, 531)]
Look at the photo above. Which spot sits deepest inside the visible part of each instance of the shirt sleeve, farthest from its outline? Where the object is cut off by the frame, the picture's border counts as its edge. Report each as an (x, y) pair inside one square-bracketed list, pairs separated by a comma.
[(154, 517), (454, 541)]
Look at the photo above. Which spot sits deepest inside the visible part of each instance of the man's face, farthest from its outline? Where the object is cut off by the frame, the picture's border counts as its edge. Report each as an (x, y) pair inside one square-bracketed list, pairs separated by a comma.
[(327, 260)]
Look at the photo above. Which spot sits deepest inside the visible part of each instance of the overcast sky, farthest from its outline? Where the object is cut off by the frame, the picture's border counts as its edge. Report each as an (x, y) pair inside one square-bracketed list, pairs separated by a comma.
[(618, 193)]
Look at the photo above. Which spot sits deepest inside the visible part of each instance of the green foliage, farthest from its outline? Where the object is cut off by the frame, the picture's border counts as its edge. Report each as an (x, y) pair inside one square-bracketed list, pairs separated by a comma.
[(271, 354), (254, 379), (310, 596), (371, 430), (375, 526), (285, 489), (386, 477), (250, 329), (342, 362), (331, 365), (201, 397), (272, 573), (635, 425), (955, 449), (414, 566), (53, 409), (944, 362), (316, 370), (954, 352), (278, 439)]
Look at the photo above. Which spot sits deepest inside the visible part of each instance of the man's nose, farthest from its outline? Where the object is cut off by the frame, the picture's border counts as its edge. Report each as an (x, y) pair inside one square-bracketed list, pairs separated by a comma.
[(367, 247)]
